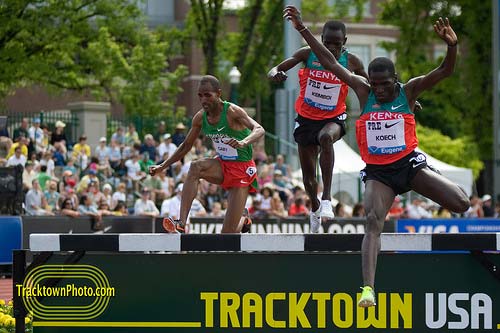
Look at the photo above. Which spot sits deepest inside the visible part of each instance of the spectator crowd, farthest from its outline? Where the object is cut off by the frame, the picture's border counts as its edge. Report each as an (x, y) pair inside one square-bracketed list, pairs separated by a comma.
[(72, 179)]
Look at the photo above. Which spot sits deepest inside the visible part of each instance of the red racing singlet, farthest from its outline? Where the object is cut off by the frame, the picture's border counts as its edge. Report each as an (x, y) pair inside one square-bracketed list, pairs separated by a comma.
[(386, 131), (322, 94)]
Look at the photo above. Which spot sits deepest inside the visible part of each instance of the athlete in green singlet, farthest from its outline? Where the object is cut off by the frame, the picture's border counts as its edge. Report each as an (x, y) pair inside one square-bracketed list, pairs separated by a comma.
[(232, 132)]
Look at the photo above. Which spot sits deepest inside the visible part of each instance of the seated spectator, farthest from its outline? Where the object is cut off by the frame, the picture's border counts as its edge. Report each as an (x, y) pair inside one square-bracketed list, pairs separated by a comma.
[(149, 147), (166, 147), (103, 208), (107, 189), (52, 197), (68, 209), (118, 137), (88, 208), (197, 209), (358, 210), (213, 195), (59, 156), (28, 175), (23, 143), (145, 207), (131, 137), (171, 207), (35, 202), (119, 195), (115, 155), (476, 207), (487, 206), (49, 162), (81, 152), (396, 211), (43, 177), (216, 210), (86, 180), (340, 210), (58, 137), (416, 210), (134, 172), (35, 134), (67, 181), (145, 162), (70, 165), (298, 208), (17, 158), (443, 213), (120, 209)]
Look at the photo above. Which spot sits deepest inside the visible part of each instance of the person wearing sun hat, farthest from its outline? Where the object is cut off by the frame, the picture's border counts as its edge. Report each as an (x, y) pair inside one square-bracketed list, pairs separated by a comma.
[(58, 137), (179, 136)]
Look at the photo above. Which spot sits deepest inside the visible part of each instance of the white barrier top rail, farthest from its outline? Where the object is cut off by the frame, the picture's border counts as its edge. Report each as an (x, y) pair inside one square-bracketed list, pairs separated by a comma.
[(261, 242)]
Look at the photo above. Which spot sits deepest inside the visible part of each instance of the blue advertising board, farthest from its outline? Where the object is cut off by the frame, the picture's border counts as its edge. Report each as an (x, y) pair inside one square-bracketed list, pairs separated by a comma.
[(447, 225), (11, 237)]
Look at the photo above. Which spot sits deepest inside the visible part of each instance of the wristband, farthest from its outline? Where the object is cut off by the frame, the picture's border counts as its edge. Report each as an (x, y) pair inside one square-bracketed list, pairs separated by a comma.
[(453, 45), (303, 29)]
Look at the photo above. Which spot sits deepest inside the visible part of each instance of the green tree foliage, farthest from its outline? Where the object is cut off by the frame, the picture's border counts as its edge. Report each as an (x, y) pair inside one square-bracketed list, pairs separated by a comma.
[(319, 11), (459, 107), (204, 20), (450, 150), (102, 46)]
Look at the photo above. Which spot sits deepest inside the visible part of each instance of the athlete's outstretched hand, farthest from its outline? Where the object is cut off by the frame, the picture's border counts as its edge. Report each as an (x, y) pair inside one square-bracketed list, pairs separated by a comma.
[(444, 30), (154, 169), (277, 76), (292, 14)]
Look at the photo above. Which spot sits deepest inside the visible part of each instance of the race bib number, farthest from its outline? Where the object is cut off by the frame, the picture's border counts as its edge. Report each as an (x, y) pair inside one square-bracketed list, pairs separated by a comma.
[(322, 95), (251, 171), (225, 151), (385, 137)]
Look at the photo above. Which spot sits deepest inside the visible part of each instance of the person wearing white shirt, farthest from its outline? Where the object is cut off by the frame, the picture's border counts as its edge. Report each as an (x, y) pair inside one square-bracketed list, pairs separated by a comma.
[(145, 207), (102, 151), (119, 195), (17, 158), (166, 146)]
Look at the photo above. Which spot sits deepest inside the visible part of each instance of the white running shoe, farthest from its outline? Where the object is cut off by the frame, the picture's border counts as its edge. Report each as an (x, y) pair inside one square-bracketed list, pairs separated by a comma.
[(315, 221), (326, 209)]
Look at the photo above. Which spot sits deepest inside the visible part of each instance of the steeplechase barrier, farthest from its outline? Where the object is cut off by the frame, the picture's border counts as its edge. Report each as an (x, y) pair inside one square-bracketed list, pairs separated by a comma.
[(256, 283)]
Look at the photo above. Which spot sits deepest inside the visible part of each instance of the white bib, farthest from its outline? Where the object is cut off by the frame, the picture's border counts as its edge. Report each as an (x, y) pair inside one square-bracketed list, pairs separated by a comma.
[(322, 95), (225, 151), (385, 136)]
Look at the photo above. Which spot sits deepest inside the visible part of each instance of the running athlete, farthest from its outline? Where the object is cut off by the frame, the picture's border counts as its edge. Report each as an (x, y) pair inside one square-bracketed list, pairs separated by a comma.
[(321, 112), (232, 132), (386, 137)]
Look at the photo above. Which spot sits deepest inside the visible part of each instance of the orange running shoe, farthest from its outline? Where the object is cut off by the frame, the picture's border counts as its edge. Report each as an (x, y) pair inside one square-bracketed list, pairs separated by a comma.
[(173, 226)]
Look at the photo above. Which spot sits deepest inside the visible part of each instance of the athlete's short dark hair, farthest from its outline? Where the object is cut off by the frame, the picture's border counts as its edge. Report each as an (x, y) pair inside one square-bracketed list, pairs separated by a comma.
[(381, 64), (334, 25), (212, 80)]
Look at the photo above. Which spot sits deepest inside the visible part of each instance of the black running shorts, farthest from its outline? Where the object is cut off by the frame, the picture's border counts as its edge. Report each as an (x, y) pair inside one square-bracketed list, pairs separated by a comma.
[(396, 175), (307, 130)]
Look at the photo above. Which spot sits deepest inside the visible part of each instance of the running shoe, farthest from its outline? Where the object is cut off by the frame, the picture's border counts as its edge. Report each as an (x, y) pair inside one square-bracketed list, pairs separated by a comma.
[(173, 226), (367, 297), (326, 209), (247, 223), (315, 221)]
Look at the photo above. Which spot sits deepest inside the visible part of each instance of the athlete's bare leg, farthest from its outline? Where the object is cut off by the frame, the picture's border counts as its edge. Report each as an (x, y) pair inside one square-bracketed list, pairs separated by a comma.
[(237, 197), (378, 200), (308, 156), (441, 190), (208, 169), (328, 135)]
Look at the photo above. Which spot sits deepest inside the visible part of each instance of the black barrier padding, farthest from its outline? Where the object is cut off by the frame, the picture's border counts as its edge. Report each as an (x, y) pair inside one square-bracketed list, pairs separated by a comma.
[(89, 242), (340, 242), (449, 242), (218, 242)]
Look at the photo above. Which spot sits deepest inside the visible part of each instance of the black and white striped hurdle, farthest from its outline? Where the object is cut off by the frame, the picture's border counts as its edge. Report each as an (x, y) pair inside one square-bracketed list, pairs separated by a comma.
[(260, 242)]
